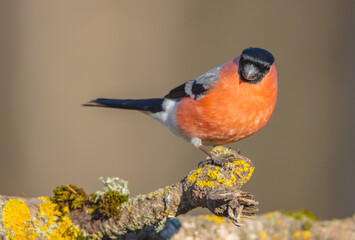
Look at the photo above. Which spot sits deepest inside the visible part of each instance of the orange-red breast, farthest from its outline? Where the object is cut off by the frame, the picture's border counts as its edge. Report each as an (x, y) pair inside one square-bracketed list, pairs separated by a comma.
[(224, 105)]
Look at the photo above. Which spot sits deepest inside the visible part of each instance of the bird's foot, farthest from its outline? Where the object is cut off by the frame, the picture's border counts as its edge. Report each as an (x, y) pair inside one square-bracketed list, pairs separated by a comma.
[(219, 156), (218, 161)]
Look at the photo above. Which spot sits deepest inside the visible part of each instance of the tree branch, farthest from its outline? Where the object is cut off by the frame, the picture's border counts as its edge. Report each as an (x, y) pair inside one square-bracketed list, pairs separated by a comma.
[(74, 214)]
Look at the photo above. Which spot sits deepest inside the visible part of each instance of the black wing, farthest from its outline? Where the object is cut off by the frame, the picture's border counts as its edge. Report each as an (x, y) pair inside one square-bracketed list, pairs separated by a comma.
[(176, 93), (197, 87)]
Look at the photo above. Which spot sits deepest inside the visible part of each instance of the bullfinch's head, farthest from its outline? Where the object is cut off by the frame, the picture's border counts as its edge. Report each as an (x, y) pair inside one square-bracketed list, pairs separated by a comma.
[(254, 64)]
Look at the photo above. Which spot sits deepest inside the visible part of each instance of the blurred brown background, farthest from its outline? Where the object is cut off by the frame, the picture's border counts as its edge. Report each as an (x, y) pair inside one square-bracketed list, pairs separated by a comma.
[(56, 55)]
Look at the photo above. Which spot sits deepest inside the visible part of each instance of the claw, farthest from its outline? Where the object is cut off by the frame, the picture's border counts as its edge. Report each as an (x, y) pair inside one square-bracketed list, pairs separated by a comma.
[(218, 161), (213, 160), (205, 162)]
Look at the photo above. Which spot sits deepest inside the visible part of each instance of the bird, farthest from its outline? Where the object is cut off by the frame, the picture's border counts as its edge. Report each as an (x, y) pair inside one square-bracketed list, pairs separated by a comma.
[(225, 104)]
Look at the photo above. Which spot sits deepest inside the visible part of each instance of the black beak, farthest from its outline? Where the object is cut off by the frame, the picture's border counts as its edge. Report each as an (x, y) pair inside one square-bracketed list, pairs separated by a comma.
[(250, 72)]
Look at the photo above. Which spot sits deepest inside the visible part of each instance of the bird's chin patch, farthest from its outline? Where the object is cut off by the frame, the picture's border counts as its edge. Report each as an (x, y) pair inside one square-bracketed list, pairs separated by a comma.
[(253, 81), (250, 80)]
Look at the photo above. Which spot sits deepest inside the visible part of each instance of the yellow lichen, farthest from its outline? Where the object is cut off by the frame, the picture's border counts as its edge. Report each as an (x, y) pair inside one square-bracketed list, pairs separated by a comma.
[(214, 218), (214, 178), (302, 235), (205, 183), (243, 170), (234, 179), (156, 193), (17, 220), (49, 223), (97, 236), (240, 170), (271, 214), (57, 225), (263, 235), (219, 150), (194, 175)]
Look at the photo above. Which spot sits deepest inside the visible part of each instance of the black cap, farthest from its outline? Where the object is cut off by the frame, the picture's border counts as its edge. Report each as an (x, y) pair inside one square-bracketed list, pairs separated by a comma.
[(258, 55)]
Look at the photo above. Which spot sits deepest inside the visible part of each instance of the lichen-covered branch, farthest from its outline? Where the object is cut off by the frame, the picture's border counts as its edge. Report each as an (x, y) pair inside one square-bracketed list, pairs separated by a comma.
[(72, 214)]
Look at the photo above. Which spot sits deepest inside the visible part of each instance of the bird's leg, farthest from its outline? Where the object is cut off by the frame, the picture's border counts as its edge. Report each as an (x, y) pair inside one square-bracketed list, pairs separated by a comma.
[(212, 160), (197, 142), (206, 161)]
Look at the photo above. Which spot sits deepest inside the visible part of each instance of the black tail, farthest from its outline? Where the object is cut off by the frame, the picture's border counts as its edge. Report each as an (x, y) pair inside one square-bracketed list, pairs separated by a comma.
[(152, 104)]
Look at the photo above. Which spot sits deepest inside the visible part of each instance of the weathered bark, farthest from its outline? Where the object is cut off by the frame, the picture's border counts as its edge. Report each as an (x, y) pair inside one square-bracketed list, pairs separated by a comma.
[(212, 187)]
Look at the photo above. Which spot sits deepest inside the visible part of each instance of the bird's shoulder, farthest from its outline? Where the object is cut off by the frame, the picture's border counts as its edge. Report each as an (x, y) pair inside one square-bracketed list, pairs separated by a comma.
[(197, 87)]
